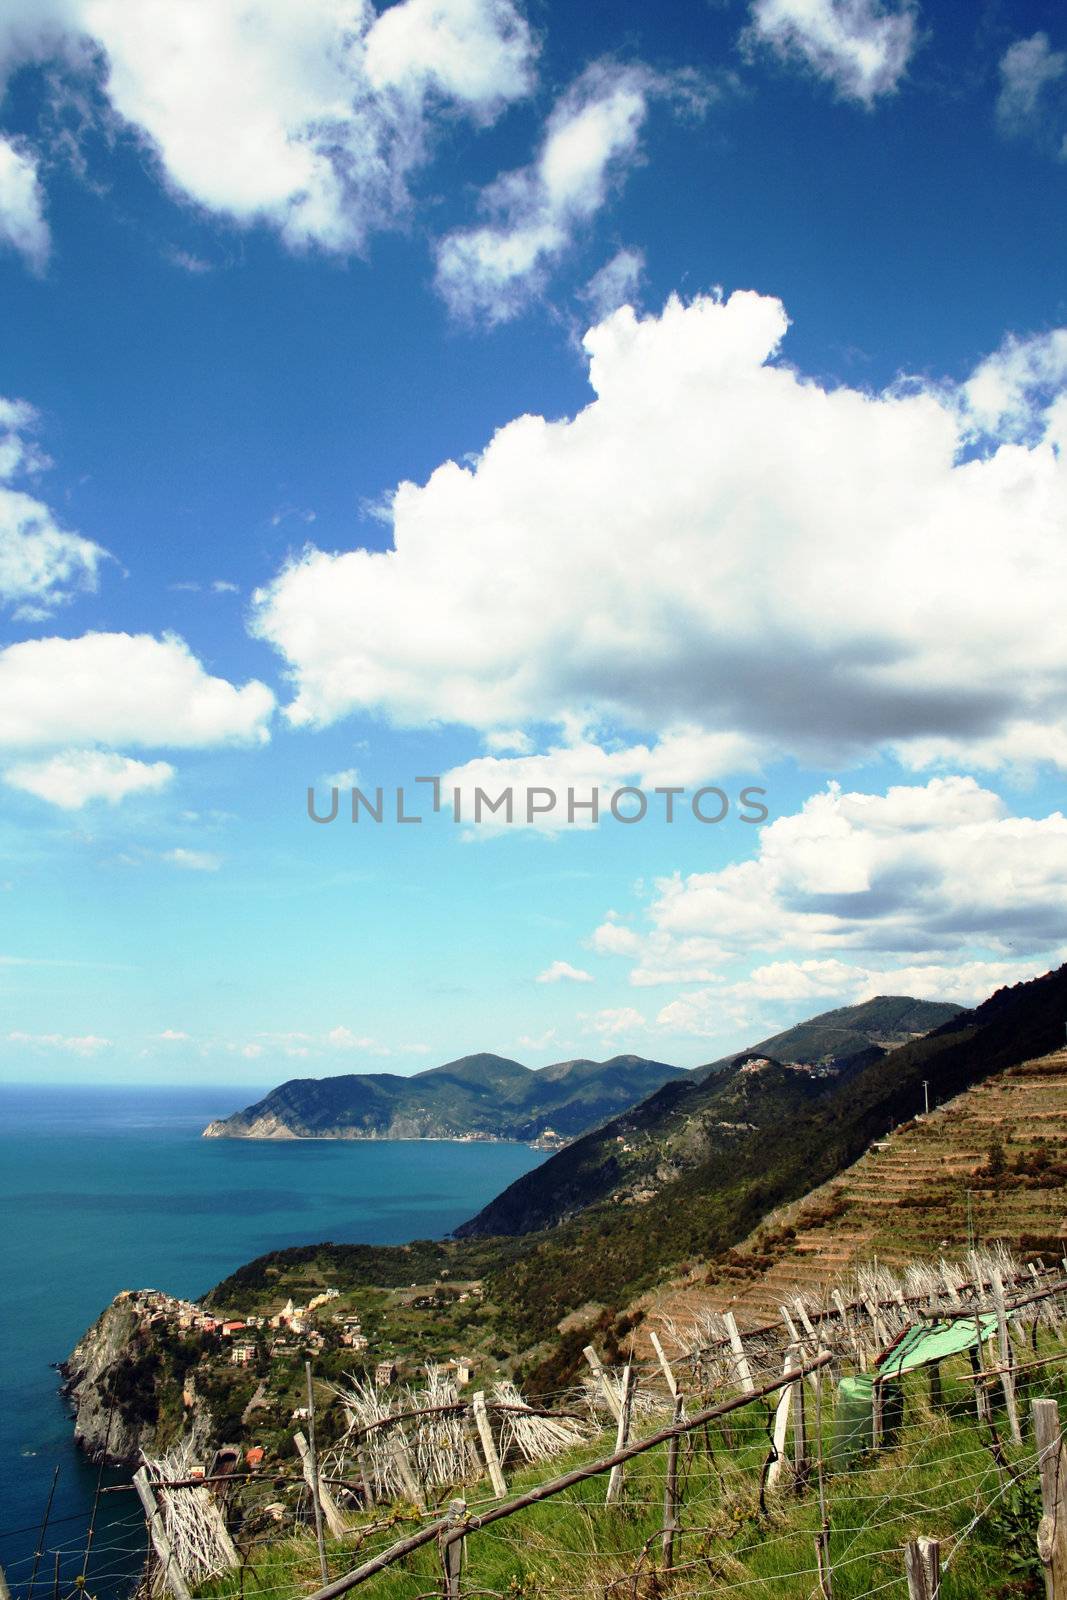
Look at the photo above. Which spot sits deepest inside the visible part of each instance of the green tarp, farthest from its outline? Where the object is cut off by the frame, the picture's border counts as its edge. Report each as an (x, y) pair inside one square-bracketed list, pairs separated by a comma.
[(854, 1417), (936, 1341)]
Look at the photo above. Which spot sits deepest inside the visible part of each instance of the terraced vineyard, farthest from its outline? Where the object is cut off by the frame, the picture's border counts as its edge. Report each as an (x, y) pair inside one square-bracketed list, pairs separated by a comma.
[(997, 1151)]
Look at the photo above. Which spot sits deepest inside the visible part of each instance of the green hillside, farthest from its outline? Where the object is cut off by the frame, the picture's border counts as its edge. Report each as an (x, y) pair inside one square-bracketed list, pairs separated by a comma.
[(844, 1037), (484, 1096)]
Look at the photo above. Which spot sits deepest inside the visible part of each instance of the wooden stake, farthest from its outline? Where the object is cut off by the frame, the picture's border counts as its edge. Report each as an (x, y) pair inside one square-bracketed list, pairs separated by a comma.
[(741, 1366), (402, 1461), (790, 1325), (330, 1509), (1052, 1530), (622, 1437), (781, 1420), (922, 1563), (173, 1577), (802, 1313), (668, 1373), (670, 1494), (1007, 1378), (313, 1475), (800, 1431), (452, 1550), (485, 1433), (606, 1387)]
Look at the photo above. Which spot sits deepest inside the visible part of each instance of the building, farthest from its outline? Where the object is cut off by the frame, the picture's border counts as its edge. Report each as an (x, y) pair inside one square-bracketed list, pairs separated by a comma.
[(241, 1354), (385, 1372)]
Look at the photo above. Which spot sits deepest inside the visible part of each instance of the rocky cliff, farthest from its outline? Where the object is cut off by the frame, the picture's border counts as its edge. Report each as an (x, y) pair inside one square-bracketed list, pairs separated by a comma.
[(125, 1394)]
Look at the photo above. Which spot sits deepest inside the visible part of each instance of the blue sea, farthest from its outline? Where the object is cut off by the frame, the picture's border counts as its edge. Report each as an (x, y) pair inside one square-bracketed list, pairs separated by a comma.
[(110, 1188)]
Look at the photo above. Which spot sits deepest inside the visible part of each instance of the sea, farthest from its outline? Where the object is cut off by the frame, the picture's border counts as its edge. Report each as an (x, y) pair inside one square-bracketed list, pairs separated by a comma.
[(109, 1188)]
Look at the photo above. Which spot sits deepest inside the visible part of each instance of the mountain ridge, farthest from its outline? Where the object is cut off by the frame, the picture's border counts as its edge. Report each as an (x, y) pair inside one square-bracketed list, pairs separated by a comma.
[(481, 1096)]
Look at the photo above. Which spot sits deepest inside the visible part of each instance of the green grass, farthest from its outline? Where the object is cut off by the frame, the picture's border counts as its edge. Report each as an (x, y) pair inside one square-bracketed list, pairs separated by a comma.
[(939, 1479)]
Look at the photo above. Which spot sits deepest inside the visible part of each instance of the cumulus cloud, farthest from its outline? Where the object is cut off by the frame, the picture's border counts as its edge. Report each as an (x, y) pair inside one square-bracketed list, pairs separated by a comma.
[(308, 115), (86, 1044), (815, 571), (173, 1036), (22, 222), (563, 972), (120, 688), (592, 135), (75, 777), (192, 860), (861, 47), (615, 284), (1031, 99), (41, 563), (614, 1021)]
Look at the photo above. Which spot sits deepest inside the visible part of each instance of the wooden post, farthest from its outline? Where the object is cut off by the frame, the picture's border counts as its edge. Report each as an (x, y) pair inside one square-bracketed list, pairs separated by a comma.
[(800, 1430), (790, 1325), (405, 1468), (622, 1436), (670, 1493), (1007, 1377), (672, 1382), (328, 1505), (365, 1475), (876, 1414), (781, 1420), (173, 1577), (313, 1475), (485, 1434), (605, 1384), (802, 1313), (935, 1384), (741, 1366), (452, 1550), (981, 1393), (922, 1563), (1052, 1530)]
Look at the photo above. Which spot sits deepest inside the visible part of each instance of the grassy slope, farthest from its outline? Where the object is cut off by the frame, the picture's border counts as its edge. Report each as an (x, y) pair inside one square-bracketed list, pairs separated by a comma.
[(936, 1480)]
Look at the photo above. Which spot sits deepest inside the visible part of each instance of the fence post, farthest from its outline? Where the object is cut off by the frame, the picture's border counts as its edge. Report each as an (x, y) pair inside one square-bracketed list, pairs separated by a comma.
[(485, 1433), (668, 1373), (452, 1550), (922, 1563), (781, 1421), (173, 1577), (311, 1472), (1052, 1530), (402, 1461), (605, 1385), (670, 1491), (1007, 1378), (744, 1371), (328, 1506), (800, 1429), (622, 1438)]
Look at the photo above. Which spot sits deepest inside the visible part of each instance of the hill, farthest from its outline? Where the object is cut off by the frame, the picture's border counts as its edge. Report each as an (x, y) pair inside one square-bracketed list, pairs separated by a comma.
[(479, 1096), (848, 1036), (988, 1165)]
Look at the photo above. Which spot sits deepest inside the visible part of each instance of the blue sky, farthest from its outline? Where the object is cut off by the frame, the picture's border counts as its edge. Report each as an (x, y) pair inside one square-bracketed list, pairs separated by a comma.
[(552, 396)]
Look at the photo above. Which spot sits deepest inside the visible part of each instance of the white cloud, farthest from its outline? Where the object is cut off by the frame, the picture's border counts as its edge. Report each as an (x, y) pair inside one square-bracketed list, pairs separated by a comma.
[(683, 756), (75, 777), (1013, 392), (591, 136), (688, 498), (614, 1021), (342, 1038), (615, 284), (87, 1044), (22, 223), (308, 115), (708, 1012), (347, 779), (192, 860), (862, 47), (1028, 103), (173, 1035), (41, 564), (613, 939), (563, 972), (120, 688), (537, 1041)]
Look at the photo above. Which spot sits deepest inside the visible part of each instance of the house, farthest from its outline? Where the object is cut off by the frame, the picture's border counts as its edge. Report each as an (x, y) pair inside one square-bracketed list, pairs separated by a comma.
[(254, 1456), (230, 1328), (463, 1368), (385, 1372), (241, 1354)]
